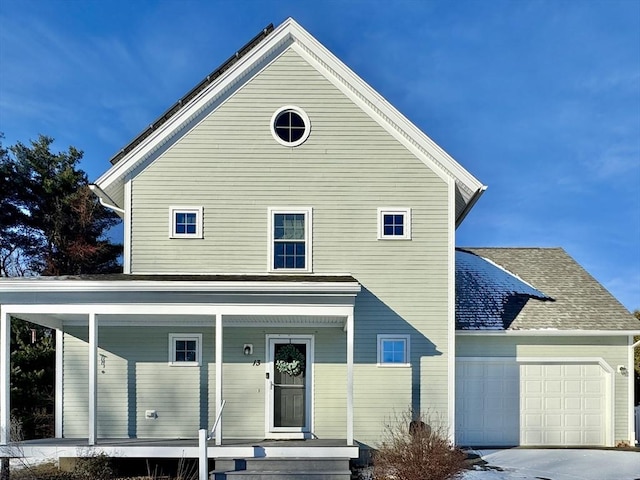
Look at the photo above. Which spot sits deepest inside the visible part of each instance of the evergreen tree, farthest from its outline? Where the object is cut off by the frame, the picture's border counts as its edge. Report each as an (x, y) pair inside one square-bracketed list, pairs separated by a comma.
[(50, 224)]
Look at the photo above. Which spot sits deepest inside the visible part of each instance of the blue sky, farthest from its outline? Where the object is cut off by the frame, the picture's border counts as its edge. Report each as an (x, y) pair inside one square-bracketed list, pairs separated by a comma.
[(540, 100)]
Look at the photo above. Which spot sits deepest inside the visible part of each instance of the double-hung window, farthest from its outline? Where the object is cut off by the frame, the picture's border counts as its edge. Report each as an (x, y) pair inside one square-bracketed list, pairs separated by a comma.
[(290, 239), (394, 224), (185, 222)]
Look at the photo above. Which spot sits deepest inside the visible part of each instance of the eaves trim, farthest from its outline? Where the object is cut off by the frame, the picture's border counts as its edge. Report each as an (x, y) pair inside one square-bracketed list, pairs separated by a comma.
[(546, 333), (346, 288)]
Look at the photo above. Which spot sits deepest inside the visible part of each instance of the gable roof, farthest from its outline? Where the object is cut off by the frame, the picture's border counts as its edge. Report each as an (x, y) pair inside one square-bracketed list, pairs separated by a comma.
[(237, 71), (532, 289)]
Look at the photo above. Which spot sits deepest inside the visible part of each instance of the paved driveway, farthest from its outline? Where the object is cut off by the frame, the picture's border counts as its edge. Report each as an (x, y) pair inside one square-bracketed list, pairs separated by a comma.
[(557, 464)]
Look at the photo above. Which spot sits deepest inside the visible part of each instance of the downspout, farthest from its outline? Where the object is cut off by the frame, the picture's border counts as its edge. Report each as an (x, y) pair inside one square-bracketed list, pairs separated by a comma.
[(635, 409), (110, 204)]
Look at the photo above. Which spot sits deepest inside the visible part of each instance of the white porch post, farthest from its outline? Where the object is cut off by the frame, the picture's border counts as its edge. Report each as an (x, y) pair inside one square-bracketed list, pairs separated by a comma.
[(5, 383), (59, 385), (219, 376), (93, 377), (350, 379)]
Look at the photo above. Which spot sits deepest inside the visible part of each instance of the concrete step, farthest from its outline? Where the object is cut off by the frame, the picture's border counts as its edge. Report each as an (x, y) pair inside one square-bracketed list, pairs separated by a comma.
[(282, 464), (281, 469), (280, 475)]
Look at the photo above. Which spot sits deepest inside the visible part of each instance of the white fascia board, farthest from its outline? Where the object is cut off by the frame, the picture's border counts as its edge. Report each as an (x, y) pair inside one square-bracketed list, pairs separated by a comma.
[(545, 333), (348, 288), (380, 109), (200, 309)]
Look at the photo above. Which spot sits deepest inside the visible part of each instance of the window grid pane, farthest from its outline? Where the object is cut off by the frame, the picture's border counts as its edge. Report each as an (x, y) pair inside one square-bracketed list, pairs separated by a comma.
[(186, 223), (289, 250), (393, 351), (290, 126), (186, 350), (393, 225)]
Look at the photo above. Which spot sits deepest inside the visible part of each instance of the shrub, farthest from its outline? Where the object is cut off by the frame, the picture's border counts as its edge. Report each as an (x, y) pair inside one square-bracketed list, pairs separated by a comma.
[(417, 447), (98, 467)]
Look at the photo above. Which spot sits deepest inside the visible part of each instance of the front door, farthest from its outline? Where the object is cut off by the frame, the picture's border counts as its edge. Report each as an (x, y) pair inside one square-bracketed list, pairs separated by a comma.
[(289, 385)]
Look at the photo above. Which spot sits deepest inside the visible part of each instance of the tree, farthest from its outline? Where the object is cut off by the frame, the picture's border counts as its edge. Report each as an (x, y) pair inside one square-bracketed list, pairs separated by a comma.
[(50, 224), (56, 227)]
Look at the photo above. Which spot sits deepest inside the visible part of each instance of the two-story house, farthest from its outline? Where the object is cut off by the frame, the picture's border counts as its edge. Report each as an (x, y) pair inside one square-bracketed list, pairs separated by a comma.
[(290, 270)]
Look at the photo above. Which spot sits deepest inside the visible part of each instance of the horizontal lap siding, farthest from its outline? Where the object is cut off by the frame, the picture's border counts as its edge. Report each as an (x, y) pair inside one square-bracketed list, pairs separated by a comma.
[(136, 377), (613, 350), (349, 166)]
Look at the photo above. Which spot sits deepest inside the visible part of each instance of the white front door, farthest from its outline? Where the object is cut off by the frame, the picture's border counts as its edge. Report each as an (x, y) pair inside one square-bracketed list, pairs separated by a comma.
[(288, 385)]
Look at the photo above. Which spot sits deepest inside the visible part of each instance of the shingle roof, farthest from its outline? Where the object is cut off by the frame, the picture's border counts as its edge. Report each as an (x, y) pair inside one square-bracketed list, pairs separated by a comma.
[(539, 288)]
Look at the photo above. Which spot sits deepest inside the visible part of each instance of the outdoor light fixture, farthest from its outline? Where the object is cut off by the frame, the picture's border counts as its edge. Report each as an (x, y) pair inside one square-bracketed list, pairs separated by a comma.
[(248, 349)]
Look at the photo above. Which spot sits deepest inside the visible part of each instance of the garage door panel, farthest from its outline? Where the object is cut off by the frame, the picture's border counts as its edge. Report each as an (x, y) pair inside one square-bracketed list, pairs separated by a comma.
[(492, 417), (573, 396)]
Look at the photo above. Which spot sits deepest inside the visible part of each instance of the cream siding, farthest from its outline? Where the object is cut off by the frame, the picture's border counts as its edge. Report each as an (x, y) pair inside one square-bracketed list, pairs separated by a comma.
[(231, 166), (136, 377), (613, 350)]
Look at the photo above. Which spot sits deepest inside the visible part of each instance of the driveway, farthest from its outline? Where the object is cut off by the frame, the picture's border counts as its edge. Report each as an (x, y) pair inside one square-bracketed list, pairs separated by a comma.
[(556, 464)]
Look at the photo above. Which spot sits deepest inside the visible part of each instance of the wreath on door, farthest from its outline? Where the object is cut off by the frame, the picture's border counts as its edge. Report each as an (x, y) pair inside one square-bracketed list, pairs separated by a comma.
[(290, 360)]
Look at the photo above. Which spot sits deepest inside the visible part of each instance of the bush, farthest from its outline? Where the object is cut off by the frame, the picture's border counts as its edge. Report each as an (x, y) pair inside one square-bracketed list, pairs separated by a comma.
[(417, 448), (98, 467)]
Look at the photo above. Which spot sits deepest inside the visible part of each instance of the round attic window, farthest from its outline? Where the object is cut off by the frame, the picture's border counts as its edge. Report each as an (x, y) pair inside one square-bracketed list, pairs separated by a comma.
[(290, 126)]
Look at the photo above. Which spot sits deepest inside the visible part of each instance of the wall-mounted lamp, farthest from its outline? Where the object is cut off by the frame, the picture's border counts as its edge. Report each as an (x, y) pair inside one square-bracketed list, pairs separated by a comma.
[(248, 349), (622, 370)]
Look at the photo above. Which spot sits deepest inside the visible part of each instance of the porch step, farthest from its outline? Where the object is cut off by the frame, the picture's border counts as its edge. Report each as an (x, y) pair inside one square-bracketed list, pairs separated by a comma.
[(281, 469)]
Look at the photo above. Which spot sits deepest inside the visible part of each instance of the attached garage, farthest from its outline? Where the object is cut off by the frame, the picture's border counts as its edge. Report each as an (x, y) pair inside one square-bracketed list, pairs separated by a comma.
[(504, 402)]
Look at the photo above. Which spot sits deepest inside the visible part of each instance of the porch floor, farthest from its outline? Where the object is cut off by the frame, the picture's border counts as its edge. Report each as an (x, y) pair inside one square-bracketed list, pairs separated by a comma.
[(179, 448)]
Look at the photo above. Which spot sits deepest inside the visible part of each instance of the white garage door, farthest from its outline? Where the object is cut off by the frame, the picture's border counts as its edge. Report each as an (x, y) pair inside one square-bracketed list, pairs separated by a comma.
[(563, 404), (502, 403), (487, 403)]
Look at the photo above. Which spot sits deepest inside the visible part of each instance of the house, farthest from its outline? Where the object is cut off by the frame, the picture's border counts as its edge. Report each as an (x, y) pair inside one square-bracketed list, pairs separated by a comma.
[(290, 273)]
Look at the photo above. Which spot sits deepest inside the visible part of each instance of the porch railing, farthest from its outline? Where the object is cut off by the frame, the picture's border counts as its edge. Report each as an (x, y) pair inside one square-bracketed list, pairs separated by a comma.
[(215, 425), (203, 470)]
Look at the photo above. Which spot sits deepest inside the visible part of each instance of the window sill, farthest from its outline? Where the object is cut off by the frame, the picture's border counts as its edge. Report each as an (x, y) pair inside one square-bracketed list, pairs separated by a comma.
[(184, 364), (393, 365)]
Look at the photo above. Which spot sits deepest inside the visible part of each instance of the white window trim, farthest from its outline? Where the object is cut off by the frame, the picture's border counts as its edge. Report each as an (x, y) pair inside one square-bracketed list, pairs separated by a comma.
[(404, 211), (173, 337), (388, 336), (172, 222), (305, 118), (308, 237)]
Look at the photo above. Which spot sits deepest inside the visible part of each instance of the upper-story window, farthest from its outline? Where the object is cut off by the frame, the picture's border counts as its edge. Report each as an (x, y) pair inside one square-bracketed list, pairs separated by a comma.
[(185, 222), (393, 350), (394, 224), (290, 239), (290, 126)]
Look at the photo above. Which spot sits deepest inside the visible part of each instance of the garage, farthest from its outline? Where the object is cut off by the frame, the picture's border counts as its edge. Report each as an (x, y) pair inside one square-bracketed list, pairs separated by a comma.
[(500, 402)]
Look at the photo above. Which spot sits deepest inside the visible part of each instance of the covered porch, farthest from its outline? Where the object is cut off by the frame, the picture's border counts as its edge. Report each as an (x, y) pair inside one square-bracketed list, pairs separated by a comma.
[(162, 356)]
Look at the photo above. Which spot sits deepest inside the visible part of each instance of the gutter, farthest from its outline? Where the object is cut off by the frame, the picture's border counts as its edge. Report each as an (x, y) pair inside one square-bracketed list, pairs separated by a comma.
[(472, 201), (105, 200)]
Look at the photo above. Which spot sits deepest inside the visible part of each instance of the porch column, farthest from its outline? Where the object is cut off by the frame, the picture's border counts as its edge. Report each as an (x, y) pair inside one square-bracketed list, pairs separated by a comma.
[(219, 377), (93, 376), (5, 382), (59, 384), (350, 379)]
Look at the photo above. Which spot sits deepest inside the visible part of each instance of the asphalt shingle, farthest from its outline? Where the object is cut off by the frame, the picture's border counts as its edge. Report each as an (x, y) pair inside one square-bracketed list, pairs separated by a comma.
[(567, 297)]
